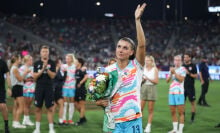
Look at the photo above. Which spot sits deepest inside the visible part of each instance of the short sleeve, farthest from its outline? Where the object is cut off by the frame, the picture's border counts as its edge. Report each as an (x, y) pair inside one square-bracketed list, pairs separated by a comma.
[(194, 69), (138, 64)]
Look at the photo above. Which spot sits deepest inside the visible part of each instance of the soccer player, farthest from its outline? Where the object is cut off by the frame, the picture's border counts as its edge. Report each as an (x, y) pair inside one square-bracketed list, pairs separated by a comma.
[(189, 88), (81, 77), (69, 87), (44, 73), (28, 88), (204, 78), (3, 108), (17, 89), (58, 84), (176, 93), (148, 89), (125, 97)]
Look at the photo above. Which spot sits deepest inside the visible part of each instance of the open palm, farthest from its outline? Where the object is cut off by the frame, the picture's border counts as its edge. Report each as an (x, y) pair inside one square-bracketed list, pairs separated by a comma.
[(139, 11)]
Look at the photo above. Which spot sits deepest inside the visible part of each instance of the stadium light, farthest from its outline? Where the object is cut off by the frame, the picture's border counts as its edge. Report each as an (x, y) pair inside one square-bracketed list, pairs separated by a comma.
[(186, 18), (41, 4), (34, 15), (168, 6), (98, 3), (109, 15)]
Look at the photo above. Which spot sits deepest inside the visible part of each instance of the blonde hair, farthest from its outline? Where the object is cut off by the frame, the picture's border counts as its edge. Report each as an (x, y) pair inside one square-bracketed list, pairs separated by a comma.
[(26, 58), (152, 59), (72, 57), (180, 57)]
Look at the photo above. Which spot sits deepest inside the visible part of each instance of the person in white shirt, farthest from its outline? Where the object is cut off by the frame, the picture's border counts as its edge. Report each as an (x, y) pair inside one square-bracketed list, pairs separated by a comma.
[(148, 89)]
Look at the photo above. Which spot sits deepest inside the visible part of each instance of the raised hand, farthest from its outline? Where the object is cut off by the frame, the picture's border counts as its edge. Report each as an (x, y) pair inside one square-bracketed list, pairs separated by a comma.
[(139, 11)]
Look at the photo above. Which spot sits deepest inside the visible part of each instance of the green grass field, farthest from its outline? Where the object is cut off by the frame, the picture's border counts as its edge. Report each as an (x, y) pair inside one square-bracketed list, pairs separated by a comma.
[(206, 117)]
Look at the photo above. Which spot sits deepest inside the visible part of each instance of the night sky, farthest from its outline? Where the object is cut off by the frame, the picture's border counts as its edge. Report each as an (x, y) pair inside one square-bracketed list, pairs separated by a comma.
[(156, 9)]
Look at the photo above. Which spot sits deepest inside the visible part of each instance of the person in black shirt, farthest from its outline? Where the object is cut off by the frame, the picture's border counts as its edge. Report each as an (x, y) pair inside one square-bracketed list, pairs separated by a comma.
[(81, 77), (4, 70), (58, 84), (44, 73), (189, 88), (204, 78)]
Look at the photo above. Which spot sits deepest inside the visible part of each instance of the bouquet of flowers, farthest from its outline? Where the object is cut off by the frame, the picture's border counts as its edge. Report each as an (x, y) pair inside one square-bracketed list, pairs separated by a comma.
[(98, 86)]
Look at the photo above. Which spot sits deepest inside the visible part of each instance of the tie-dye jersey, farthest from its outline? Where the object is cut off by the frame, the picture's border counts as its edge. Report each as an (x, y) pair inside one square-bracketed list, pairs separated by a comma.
[(29, 84), (125, 102), (177, 87), (70, 82)]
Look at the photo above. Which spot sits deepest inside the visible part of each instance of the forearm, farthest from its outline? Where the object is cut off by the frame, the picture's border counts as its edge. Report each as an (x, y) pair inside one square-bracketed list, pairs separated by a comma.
[(179, 77), (140, 53), (51, 74), (200, 75), (84, 79), (193, 75), (168, 79)]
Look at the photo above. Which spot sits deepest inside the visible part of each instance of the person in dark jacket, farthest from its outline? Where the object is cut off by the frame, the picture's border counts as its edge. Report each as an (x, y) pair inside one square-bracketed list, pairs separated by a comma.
[(58, 83), (204, 78)]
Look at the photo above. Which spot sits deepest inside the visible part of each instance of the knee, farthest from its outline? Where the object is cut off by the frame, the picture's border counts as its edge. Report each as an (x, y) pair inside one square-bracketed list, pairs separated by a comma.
[(50, 110), (38, 110), (173, 112)]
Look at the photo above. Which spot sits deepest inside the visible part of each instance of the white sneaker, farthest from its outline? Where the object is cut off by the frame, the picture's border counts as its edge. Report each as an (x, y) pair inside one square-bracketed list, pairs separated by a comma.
[(18, 125), (36, 131), (52, 131), (173, 131), (147, 130), (28, 123)]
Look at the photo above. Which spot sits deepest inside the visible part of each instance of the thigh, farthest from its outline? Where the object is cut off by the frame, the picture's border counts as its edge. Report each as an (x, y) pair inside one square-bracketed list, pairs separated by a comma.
[(39, 97), (179, 99), (80, 94), (172, 100), (144, 92), (17, 91), (134, 126), (192, 95), (49, 97), (2, 95)]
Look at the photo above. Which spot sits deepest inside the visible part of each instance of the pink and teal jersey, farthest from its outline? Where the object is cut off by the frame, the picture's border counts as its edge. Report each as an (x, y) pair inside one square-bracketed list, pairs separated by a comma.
[(70, 82), (29, 84), (125, 98), (176, 86)]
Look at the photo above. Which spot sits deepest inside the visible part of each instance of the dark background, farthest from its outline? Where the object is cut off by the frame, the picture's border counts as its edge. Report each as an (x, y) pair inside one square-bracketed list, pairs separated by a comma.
[(156, 9)]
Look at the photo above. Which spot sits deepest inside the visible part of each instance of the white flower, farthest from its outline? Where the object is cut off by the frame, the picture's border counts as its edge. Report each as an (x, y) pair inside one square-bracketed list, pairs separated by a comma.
[(100, 78), (91, 89)]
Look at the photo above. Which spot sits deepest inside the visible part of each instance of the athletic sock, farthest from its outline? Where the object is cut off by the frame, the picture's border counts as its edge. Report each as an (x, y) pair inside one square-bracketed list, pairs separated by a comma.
[(193, 116), (51, 126), (71, 110), (64, 110), (6, 124), (37, 125), (60, 120), (175, 126), (181, 127)]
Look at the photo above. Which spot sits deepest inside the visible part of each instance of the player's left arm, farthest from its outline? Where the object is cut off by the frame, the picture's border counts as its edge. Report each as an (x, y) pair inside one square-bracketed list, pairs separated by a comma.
[(194, 73), (140, 52)]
